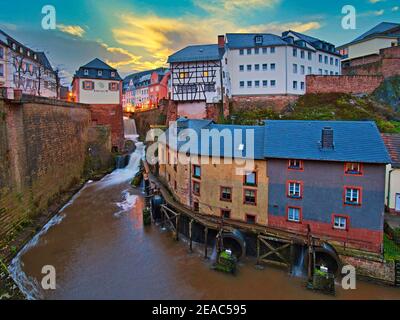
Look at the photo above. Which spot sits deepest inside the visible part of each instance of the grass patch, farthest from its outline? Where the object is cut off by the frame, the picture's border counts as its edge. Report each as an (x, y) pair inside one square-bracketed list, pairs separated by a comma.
[(392, 251)]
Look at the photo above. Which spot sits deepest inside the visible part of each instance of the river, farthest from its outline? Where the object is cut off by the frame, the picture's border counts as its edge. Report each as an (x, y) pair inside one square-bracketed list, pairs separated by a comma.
[(100, 250)]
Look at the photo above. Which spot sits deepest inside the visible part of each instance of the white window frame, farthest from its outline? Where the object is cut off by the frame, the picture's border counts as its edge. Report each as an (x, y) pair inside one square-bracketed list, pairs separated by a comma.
[(294, 188), (292, 212), (352, 193), (340, 223)]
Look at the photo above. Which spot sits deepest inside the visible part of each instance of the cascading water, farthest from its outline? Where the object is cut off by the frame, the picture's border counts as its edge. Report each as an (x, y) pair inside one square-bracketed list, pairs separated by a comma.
[(129, 127), (299, 268)]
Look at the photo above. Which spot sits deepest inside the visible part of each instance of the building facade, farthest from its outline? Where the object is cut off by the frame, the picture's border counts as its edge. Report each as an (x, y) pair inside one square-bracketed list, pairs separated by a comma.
[(196, 79), (384, 35), (25, 69), (267, 64), (306, 177), (144, 90), (100, 86)]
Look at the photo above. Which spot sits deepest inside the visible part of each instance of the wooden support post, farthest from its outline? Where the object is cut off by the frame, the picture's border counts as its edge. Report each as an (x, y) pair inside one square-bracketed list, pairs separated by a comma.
[(206, 243), (292, 257), (191, 235), (258, 250), (177, 227)]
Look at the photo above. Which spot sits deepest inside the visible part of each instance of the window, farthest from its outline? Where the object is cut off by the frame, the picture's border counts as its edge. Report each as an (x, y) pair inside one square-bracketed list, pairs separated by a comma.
[(249, 84), (352, 196), (320, 71), (331, 61), (326, 59), (250, 179), (256, 51), (302, 70), (88, 85), (99, 73), (272, 50), (273, 83), (294, 68), (340, 222), (241, 52), (265, 83), (272, 67), (196, 206), (309, 55), (302, 54), (294, 189), (226, 194), (259, 39), (1, 53), (257, 83), (169, 177), (86, 72), (248, 51), (250, 197), (293, 214), (209, 87), (320, 58), (249, 67), (196, 188), (331, 73), (326, 72), (241, 84), (113, 86), (295, 164), (309, 70), (112, 74), (295, 85), (264, 50), (265, 66), (241, 68), (225, 213), (352, 168), (257, 67), (336, 62), (302, 85), (1, 70), (175, 185), (196, 171), (250, 219), (294, 52)]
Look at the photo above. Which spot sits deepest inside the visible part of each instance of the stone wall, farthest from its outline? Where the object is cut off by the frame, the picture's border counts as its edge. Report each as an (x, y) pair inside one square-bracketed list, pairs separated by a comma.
[(110, 115), (42, 154), (274, 102), (386, 64), (343, 84), (367, 267)]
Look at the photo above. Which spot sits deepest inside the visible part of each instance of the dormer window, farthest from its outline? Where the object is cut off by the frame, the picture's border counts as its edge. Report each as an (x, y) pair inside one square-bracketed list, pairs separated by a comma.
[(112, 74), (14, 46), (295, 164), (99, 73), (21, 50), (35, 56), (259, 39), (86, 72), (28, 53), (353, 168)]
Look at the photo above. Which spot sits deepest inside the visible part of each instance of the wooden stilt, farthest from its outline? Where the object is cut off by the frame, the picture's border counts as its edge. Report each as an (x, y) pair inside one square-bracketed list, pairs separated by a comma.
[(191, 235), (258, 250), (177, 228), (206, 243), (292, 257)]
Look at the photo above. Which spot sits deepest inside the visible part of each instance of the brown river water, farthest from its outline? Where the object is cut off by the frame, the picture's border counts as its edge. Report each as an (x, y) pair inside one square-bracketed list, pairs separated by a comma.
[(100, 250)]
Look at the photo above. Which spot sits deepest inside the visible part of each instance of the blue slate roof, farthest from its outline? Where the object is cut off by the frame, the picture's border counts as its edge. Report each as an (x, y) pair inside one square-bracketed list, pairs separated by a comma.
[(93, 67), (379, 29), (246, 40), (209, 52), (354, 141)]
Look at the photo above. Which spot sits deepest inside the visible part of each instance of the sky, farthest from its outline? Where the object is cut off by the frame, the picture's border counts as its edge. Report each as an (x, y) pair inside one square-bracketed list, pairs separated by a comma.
[(137, 35)]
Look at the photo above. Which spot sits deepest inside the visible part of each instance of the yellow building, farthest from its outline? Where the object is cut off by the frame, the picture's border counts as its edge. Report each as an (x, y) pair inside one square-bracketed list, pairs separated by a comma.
[(235, 188)]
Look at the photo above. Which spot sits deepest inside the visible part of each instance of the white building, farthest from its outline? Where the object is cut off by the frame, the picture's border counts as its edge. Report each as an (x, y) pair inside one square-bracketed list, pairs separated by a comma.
[(384, 35), (196, 78), (267, 64), (97, 83), (25, 69)]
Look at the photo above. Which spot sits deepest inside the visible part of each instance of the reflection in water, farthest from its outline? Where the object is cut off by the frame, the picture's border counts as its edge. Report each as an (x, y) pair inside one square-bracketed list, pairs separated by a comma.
[(101, 251)]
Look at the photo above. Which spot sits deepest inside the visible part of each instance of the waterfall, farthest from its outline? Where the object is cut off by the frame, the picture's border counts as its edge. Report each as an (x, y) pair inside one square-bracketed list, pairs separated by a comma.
[(299, 269), (129, 127)]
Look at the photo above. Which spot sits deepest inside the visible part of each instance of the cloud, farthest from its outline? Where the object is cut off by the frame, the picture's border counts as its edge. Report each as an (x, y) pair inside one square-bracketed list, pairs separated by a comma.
[(275, 27), (76, 31), (376, 1), (372, 13), (395, 8), (229, 6), (379, 12)]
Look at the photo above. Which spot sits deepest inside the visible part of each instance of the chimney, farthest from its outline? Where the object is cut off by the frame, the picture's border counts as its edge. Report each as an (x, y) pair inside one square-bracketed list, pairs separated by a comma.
[(221, 41), (327, 139)]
